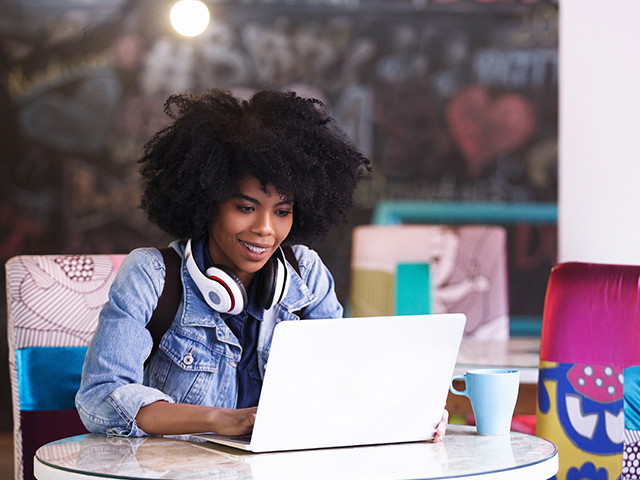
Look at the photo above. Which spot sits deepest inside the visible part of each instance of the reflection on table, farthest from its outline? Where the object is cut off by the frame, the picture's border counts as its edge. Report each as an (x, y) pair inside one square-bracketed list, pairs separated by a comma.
[(463, 453)]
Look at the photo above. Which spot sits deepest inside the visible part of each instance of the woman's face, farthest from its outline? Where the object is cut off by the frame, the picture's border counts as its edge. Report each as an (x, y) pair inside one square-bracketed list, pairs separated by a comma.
[(249, 227)]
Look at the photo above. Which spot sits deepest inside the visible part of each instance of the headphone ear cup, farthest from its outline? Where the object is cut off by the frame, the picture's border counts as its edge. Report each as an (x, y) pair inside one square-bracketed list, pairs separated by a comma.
[(226, 292), (282, 279), (274, 281), (266, 286), (221, 289)]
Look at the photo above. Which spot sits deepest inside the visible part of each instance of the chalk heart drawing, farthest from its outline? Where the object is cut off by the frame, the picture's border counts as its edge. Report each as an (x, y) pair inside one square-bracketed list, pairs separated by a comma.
[(483, 129)]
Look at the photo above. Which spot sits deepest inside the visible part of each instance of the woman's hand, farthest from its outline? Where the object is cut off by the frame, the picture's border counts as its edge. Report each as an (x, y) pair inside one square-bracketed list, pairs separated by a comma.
[(164, 418), (442, 427), (234, 422)]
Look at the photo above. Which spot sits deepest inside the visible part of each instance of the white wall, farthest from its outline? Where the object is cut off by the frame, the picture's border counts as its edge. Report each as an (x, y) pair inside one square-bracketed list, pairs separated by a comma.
[(599, 149)]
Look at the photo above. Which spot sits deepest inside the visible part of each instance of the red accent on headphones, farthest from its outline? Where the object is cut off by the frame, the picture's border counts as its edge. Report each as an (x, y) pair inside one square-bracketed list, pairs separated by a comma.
[(222, 282)]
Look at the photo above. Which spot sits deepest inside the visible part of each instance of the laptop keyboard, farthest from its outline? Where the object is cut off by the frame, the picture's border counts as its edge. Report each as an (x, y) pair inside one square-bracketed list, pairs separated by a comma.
[(243, 438)]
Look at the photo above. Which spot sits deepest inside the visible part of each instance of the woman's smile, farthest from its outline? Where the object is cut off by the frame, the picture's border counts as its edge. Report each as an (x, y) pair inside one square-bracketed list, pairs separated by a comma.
[(255, 248)]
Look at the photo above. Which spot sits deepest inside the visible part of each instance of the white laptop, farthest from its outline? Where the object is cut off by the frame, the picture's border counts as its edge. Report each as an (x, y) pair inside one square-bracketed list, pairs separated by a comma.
[(353, 381)]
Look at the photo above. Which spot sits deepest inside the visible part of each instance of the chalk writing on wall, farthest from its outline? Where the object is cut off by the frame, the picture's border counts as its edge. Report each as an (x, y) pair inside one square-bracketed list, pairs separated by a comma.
[(451, 100)]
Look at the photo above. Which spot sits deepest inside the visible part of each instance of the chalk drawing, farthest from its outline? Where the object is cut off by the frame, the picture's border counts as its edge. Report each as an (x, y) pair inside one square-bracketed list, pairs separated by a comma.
[(484, 128), (516, 69)]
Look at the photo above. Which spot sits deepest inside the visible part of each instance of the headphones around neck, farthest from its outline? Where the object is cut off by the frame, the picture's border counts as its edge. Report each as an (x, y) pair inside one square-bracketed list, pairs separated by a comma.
[(223, 291)]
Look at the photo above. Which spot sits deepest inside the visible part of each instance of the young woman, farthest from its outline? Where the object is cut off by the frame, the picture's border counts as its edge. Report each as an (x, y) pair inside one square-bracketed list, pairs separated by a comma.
[(232, 180)]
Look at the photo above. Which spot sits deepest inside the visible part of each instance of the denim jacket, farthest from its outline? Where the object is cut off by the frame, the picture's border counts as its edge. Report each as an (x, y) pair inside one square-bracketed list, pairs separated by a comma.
[(197, 357)]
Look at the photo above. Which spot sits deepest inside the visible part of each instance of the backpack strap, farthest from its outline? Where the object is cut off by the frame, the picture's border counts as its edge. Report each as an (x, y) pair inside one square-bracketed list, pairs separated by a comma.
[(291, 258), (169, 300)]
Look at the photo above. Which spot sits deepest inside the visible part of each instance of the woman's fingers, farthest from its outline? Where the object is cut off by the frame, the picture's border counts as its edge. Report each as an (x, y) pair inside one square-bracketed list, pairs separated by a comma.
[(442, 427)]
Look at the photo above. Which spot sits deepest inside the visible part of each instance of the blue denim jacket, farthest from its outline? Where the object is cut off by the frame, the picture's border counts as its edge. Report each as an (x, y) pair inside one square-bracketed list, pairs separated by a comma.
[(115, 384)]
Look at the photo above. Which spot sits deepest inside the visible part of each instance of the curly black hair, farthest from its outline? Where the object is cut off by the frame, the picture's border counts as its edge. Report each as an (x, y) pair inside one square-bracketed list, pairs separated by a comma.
[(194, 164)]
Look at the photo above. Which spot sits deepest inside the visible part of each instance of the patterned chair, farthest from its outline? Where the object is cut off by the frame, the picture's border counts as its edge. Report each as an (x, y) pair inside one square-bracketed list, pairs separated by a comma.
[(415, 269), (53, 305), (589, 382)]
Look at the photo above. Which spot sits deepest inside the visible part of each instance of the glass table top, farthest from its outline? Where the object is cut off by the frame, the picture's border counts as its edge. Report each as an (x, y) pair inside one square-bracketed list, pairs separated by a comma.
[(462, 453)]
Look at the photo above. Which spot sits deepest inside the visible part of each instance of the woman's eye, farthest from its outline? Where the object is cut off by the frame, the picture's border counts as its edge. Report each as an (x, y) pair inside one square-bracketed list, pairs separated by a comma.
[(283, 213), (245, 208)]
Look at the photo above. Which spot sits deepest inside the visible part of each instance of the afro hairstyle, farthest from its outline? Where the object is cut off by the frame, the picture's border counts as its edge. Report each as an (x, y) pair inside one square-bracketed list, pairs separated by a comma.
[(194, 164)]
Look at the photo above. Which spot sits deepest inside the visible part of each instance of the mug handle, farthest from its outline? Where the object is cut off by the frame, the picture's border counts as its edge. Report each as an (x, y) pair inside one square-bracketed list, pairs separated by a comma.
[(459, 392)]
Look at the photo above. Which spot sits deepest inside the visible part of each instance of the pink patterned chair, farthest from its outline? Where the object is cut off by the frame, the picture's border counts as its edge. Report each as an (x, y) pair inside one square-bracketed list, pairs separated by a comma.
[(414, 269), (53, 305), (589, 381)]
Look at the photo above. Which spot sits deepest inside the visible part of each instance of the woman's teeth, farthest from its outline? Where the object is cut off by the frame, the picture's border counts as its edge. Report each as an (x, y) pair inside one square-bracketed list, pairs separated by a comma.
[(255, 249)]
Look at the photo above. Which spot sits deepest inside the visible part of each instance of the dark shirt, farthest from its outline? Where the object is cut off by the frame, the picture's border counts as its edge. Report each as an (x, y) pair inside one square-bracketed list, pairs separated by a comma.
[(245, 326)]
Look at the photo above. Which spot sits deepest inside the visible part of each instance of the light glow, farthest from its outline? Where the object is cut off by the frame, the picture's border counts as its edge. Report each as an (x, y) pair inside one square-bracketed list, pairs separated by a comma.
[(189, 17)]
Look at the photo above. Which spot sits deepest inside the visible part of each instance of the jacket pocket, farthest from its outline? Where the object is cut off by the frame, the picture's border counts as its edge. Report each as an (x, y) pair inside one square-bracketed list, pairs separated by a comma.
[(186, 368)]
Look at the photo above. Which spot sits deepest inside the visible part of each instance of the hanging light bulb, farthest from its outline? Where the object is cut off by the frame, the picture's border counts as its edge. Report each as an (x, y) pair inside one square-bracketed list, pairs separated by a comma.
[(189, 17)]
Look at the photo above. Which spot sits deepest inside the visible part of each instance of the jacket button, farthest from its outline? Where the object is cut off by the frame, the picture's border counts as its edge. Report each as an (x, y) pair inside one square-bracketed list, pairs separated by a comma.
[(188, 359)]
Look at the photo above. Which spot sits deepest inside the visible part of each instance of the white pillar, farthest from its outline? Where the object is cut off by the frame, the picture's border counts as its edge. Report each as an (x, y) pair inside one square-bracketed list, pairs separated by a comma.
[(599, 130)]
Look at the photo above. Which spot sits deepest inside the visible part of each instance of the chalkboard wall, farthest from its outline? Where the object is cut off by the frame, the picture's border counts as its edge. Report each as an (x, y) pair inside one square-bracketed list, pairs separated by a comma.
[(451, 100)]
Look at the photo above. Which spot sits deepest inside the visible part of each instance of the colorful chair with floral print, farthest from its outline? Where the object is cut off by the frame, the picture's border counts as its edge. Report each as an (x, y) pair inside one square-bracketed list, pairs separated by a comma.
[(589, 383), (53, 304)]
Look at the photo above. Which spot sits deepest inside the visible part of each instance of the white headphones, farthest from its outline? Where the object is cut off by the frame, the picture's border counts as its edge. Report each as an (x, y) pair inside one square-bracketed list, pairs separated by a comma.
[(223, 291)]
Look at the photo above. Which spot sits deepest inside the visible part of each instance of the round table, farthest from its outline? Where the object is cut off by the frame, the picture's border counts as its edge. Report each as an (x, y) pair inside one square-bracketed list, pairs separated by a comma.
[(463, 453)]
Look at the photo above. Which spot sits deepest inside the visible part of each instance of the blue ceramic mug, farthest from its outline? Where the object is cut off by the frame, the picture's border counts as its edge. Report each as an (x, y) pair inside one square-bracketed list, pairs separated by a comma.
[(493, 394)]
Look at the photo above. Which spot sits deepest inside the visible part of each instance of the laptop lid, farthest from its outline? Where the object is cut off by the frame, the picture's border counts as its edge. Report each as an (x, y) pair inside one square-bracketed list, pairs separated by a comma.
[(356, 381)]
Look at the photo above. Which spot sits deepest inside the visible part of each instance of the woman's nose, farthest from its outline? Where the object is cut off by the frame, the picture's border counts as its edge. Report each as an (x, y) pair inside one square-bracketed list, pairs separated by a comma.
[(264, 224)]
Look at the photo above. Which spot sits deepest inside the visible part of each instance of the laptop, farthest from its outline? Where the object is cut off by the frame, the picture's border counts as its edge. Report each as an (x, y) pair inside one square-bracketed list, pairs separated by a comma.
[(353, 381)]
